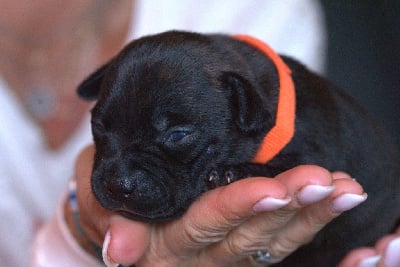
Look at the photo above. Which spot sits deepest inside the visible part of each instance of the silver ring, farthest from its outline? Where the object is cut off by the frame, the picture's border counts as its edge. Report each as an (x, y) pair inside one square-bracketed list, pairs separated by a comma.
[(262, 258)]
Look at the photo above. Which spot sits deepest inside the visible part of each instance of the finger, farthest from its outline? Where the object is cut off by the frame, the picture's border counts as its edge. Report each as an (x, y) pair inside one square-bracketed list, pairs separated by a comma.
[(341, 175), (93, 217), (300, 176), (258, 232), (360, 256), (83, 165), (382, 243), (389, 248), (232, 205), (128, 240), (271, 231), (211, 217), (311, 219), (385, 254), (307, 184)]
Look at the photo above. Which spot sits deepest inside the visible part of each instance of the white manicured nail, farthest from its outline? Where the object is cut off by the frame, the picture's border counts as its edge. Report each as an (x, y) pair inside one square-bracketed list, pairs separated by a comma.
[(313, 193), (347, 201), (392, 256), (107, 260), (370, 262), (270, 204)]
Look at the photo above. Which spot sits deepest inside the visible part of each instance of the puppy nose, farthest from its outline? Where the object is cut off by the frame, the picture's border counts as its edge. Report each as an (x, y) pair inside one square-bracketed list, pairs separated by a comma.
[(124, 187), (138, 193)]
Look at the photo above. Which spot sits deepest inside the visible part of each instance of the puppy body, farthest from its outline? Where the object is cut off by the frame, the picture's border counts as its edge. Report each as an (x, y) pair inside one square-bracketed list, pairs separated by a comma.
[(179, 113)]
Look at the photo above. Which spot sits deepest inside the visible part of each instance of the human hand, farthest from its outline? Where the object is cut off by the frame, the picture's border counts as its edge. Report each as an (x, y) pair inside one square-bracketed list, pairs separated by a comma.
[(386, 253), (225, 225)]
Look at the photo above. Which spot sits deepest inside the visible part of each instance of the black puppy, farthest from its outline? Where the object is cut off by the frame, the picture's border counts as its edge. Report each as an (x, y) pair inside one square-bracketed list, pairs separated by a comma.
[(179, 113)]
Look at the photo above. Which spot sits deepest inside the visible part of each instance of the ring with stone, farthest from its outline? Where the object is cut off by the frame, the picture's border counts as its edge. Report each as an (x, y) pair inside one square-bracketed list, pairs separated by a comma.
[(263, 258)]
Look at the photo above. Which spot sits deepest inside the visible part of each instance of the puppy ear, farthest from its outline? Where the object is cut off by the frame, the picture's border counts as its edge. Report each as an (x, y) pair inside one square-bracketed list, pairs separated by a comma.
[(250, 112), (89, 89)]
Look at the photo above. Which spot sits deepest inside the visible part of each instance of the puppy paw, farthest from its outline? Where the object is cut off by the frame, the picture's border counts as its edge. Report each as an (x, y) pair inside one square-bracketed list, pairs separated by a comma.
[(220, 177)]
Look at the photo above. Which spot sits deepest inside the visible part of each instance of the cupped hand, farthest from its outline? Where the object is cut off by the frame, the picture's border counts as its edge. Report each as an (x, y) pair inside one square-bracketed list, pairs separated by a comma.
[(225, 225)]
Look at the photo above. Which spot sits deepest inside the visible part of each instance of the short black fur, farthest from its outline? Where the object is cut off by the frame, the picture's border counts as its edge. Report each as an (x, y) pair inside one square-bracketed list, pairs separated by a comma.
[(179, 108)]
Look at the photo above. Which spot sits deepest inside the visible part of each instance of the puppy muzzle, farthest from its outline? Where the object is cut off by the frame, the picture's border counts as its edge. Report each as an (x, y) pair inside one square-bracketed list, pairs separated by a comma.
[(138, 195)]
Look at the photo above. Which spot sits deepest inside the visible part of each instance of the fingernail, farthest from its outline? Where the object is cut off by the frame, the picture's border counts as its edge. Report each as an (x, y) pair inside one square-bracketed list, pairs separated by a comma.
[(347, 201), (370, 262), (106, 259), (270, 203), (392, 256), (313, 193)]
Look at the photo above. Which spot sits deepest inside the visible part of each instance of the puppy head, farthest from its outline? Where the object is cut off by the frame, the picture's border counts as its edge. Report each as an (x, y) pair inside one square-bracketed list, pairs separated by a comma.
[(170, 109)]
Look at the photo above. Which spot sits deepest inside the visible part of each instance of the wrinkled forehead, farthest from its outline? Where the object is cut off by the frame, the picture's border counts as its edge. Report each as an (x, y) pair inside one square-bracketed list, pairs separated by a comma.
[(163, 84), (163, 90)]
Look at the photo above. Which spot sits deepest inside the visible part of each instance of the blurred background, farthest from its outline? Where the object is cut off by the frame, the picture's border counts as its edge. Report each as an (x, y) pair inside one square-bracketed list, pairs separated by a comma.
[(363, 55)]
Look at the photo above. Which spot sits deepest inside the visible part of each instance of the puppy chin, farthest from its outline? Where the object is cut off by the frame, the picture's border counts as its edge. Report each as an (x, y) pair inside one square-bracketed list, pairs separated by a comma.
[(153, 217), (141, 210)]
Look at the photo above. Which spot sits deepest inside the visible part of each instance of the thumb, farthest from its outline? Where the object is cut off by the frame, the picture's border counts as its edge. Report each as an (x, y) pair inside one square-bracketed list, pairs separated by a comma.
[(127, 241)]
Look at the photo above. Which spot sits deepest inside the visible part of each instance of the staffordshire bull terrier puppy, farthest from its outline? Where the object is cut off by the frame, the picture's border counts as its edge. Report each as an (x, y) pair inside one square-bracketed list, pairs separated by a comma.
[(180, 113)]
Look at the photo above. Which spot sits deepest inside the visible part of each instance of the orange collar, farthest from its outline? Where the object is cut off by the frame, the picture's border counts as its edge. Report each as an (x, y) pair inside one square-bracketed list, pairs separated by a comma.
[(282, 132)]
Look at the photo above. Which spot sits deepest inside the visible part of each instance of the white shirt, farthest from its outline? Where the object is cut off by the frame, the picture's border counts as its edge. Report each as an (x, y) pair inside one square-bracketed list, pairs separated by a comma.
[(32, 178)]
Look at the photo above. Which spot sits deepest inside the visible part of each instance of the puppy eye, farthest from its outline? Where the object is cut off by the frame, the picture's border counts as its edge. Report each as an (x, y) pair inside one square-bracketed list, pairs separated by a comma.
[(97, 124), (98, 127), (177, 136)]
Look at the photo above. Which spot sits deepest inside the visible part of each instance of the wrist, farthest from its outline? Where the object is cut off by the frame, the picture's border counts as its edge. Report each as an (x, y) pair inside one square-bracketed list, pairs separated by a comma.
[(56, 243), (71, 216)]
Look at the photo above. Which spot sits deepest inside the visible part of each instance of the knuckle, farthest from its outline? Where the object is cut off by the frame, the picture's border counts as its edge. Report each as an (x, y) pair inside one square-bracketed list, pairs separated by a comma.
[(244, 243), (193, 235), (197, 235), (281, 248)]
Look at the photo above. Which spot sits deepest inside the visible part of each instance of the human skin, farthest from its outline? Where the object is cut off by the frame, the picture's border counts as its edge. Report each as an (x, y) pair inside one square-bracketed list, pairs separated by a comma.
[(385, 253), (227, 224)]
